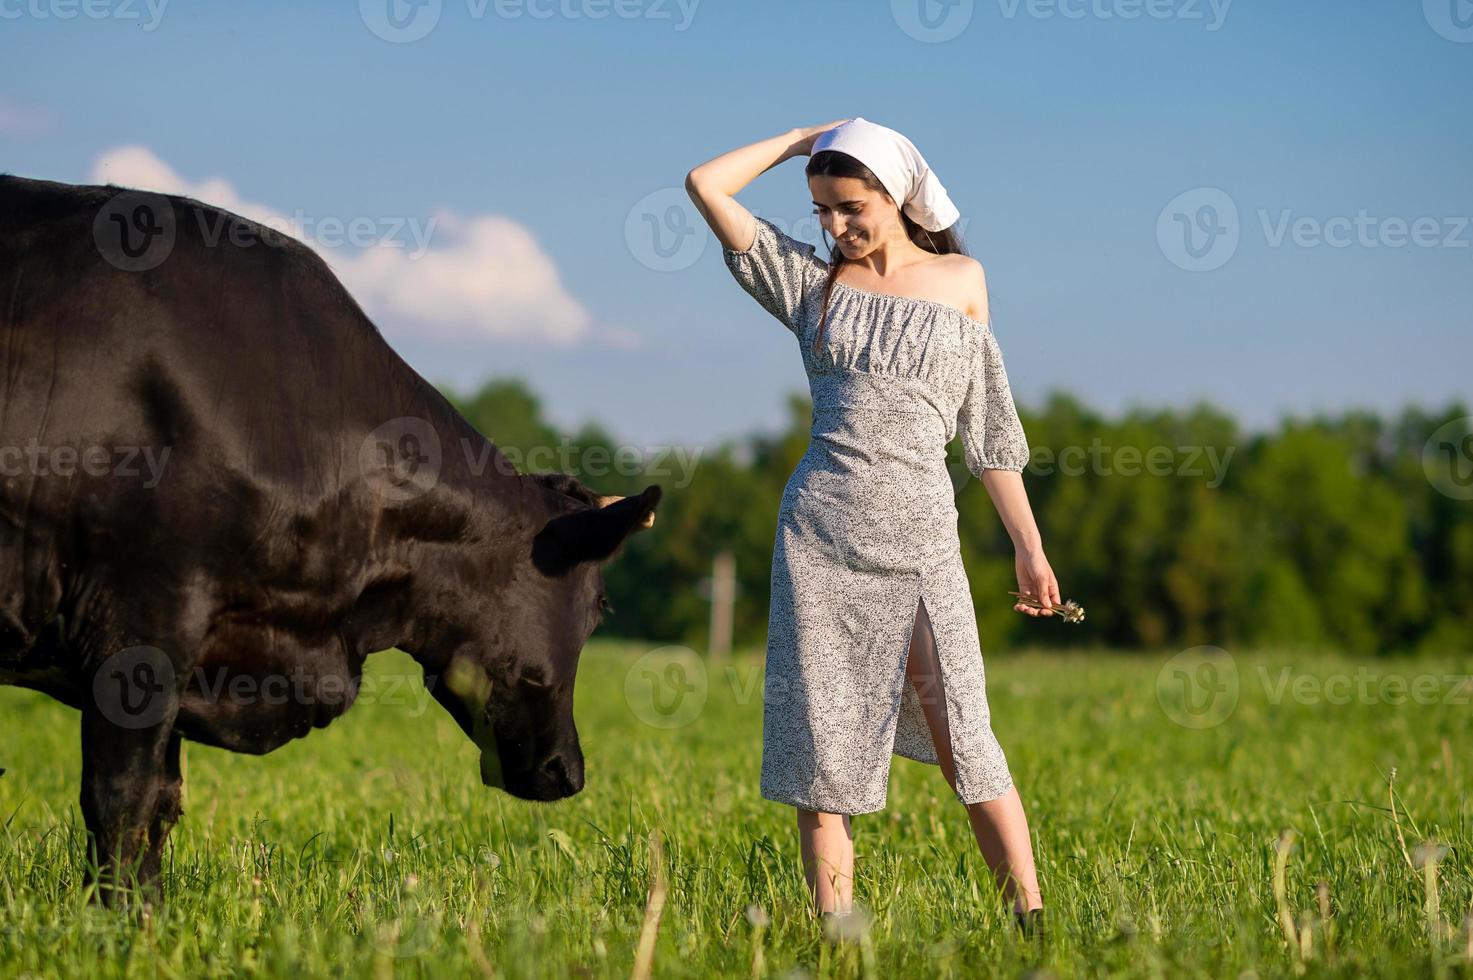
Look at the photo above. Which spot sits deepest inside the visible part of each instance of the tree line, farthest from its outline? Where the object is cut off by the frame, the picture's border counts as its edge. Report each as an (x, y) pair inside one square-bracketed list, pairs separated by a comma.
[(1172, 527)]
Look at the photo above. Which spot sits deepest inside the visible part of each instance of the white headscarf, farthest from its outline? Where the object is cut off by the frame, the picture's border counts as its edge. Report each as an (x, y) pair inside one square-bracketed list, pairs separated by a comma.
[(898, 165)]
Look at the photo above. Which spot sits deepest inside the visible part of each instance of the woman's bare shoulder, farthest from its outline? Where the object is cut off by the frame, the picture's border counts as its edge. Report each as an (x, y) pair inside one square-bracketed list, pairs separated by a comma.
[(962, 264), (965, 282)]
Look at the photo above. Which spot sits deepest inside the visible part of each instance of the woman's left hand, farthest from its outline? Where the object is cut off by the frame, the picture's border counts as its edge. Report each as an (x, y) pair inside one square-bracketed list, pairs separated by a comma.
[(1036, 578)]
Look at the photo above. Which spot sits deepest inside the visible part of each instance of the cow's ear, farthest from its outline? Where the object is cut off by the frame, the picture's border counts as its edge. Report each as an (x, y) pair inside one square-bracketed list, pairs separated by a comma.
[(594, 534), (569, 486)]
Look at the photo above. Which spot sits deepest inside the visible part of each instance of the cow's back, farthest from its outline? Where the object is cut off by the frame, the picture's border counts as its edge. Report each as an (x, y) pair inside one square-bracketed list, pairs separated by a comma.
[(255, 344)]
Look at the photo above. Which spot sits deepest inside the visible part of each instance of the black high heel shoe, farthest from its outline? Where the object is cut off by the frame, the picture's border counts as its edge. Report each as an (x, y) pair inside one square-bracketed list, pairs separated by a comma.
[(1030, 924)]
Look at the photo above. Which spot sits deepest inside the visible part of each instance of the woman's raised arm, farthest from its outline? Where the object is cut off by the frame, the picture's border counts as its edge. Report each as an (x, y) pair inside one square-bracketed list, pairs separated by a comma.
[(713, 185)]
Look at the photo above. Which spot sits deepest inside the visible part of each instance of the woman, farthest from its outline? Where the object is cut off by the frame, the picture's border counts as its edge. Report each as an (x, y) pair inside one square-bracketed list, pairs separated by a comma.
[(872, 638)]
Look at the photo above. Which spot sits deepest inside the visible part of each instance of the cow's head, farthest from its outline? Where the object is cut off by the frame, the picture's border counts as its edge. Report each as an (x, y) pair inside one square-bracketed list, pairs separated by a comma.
[(509, 681)]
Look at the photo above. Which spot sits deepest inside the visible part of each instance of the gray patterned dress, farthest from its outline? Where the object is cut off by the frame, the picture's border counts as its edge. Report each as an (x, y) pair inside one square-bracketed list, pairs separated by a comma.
[(867, 529)]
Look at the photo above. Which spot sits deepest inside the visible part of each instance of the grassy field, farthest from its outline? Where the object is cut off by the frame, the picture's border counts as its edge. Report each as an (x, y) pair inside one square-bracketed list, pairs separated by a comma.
[(370, 848)]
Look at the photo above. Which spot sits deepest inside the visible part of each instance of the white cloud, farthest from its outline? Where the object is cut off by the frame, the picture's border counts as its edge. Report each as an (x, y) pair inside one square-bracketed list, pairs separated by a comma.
[(486, 274), (453, 277)]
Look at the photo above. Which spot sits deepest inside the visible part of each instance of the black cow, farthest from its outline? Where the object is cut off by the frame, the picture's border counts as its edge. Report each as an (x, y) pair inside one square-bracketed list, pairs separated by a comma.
[(220, 490)]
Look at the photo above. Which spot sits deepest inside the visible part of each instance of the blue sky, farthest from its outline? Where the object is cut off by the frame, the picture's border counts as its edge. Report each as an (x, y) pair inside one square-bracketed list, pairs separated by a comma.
[(1080, 145)]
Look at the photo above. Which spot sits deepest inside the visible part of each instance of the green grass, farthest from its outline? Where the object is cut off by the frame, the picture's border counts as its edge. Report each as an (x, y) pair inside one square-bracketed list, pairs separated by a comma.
[(370, 848)]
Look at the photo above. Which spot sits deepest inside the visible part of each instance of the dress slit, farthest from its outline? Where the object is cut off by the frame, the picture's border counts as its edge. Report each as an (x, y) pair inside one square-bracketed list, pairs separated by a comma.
[(941, 692)]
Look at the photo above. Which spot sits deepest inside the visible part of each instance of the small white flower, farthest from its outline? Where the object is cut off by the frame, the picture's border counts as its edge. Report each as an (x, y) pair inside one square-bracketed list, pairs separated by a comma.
[(850, 926), (1428, 852)]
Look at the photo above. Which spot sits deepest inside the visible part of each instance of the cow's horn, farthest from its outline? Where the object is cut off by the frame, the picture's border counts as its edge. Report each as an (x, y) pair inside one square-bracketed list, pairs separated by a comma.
[(649, 519)]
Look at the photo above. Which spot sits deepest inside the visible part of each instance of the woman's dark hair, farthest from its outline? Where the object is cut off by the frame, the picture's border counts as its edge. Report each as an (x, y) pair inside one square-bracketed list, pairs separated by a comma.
[(832, 163)]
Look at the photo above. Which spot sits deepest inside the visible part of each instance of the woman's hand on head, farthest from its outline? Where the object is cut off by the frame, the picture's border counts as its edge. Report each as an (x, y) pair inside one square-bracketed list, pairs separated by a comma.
[(1036, 579), (807, 134)]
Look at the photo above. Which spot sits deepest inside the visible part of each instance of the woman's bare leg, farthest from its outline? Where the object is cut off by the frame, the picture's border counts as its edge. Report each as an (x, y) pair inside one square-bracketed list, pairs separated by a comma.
[(828, 859), (1001, 829), (1000, 826)]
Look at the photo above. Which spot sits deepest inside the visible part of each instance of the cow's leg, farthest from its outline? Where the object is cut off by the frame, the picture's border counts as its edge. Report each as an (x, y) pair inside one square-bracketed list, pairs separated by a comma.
[(166, 811), (130, 772)]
